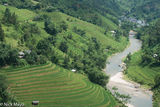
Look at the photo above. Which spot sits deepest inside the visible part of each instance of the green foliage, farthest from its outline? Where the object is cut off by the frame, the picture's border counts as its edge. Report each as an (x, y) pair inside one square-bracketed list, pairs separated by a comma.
[(157, 81), (2, 35), (44, 48), (57, 86), (63, 26), (71, 44), (145, 75), (63, 47), (9, 18), (5, 96), (31, 58), (50, 27), (151, 46), (85, 10), (3, 88), (18, 3), (79, 31), (98, 77), (8, 56), (118, 34)]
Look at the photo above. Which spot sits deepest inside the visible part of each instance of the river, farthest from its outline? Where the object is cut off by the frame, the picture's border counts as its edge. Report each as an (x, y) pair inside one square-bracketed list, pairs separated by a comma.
[(139, 97)]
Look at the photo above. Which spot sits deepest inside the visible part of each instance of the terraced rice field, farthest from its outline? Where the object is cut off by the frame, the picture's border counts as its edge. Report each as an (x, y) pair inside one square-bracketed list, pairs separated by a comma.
[(56, 87)]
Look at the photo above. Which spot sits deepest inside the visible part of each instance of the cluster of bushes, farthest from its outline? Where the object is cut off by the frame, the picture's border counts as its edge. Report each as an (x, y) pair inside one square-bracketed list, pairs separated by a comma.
[(5, 96), (87, 10), (18, 3), (79, 31), (9, 18), (52, 29), (91, 63), (150, 36)]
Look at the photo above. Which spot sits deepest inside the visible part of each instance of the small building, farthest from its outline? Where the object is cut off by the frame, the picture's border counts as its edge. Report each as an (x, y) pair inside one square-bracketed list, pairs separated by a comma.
[(35, 102), (155, 55), (21, 54), (73, 70), (113, 32), (5, 4)]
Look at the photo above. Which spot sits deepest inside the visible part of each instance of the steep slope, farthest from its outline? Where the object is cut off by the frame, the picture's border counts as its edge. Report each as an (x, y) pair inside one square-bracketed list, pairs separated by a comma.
[(144, 66), (56, 87), (87, 10), (148, 10), (67, 42)]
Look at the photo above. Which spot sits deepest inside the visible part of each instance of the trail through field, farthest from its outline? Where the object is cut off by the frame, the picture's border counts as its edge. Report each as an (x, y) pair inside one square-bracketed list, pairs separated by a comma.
[(139, 97)]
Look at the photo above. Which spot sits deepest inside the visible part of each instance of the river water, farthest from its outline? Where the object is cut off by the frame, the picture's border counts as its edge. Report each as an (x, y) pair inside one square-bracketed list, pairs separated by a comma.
[(139, 97)]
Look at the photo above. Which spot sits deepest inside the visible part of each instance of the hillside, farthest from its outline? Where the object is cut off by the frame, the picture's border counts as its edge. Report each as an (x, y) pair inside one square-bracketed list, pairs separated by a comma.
[(148, 10), (87, 10), (35, 37), (143, 67), (56, 87)]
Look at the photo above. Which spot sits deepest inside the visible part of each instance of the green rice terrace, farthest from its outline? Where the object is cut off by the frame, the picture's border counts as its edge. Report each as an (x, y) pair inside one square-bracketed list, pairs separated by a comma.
[(54, 86)]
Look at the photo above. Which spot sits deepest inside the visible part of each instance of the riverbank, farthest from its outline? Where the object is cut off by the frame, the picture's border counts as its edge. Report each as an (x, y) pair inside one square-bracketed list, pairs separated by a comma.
[(139, 97), (145, 75), (127, 85)]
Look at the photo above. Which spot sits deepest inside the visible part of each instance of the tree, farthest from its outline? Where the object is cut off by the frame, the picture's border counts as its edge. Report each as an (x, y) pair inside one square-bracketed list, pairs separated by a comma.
[(7, 16), (55, 59), (32, 57), (67, 62), (63, 26), (98, 77), (63, 47), (157, 81), (50, 27), (44, 47), (2, 36), (13, 57), (3, 89), (13, 19)]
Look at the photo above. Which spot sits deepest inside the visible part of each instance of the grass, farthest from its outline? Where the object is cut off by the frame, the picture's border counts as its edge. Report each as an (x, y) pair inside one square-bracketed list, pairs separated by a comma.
[(76, 45), (50, 84), (56, 87), (144, 75)]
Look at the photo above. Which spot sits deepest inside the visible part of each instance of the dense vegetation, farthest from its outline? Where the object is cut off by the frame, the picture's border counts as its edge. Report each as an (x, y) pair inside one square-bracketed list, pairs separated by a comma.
[(144, 66), (55, 86), (74, 35), (37, 36), (147, 10), (93, 11)]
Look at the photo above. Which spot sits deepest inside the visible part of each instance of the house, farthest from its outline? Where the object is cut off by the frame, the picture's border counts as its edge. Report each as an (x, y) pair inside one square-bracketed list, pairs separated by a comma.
[(155, 55), (21, 54), (35, 102), (5, 4), (113, 32), (73, 70)]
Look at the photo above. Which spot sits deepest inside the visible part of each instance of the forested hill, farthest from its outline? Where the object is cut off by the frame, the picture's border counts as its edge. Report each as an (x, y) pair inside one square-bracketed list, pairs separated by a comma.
[(149, 10), (67, 36), (142, 9), (87, 10)]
